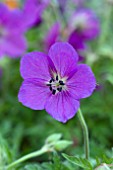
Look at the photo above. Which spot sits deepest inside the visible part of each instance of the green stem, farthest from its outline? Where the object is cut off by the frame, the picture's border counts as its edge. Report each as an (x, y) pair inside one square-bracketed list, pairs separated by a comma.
[(85, 133), (26, 157)]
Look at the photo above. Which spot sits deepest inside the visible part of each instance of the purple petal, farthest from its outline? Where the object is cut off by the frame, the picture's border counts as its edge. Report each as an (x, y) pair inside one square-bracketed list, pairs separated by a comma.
[(4, 13), (14, 45), (82, 83), (16, 22), (35, 65), (33, 94), (64, 57), (77, 41), (52, 35), (10, 19), (61, 106), (78, 44), (32, 11)]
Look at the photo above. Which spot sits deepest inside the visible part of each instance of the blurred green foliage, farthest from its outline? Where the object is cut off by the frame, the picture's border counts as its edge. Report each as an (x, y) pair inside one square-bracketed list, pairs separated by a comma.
[(25, 130)]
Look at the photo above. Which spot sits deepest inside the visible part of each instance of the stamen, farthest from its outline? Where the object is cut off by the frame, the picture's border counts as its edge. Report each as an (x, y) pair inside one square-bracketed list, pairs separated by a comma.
[(48, 84), (61, 82), (53, 91), (52, 79), (55, 84), (50, 88), (57, 77), (59, 89)]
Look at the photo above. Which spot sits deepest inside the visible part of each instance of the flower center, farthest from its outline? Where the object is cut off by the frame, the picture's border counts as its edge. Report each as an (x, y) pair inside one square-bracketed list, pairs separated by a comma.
[(56, 84)]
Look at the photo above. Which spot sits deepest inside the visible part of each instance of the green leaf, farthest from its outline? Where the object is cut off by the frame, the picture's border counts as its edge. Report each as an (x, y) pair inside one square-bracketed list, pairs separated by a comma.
[(83, 163), (58, 164), (32, 167), (56, 161), (47, 166), (5, 155), (98, 161)]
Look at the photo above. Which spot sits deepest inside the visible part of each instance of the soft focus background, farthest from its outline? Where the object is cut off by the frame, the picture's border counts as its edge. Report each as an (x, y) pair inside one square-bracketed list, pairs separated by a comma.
[(24, 130)]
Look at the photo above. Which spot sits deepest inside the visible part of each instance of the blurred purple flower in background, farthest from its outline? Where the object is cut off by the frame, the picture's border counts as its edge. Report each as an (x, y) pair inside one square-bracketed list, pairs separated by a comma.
[(55, 82), (15, 22), (78, 43), (85, 23), (30, 13), (12, 40), (52, 36), (83, 26)]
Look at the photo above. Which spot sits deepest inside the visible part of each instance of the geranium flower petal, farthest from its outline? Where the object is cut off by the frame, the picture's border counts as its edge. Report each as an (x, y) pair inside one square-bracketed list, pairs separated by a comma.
[(33, 94), (62, 107), (4, 13), (82, 83), (64, 57), (14, 45), (52, 35), (77, 41), (35, 65)]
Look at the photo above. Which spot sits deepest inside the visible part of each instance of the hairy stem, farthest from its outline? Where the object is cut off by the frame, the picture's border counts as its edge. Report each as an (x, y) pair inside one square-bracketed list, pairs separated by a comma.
[(85, 133), (26, 157)]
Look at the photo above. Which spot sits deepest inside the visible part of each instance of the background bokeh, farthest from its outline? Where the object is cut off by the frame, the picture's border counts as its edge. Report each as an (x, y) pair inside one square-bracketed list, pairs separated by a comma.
[(25, 130)]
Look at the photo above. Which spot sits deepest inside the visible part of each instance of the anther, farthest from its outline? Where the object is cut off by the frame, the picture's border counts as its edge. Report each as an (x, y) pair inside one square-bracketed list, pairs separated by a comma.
[(53, 91), (59, 89), (61, 82), (57, 77), (52, 80), (50, 88), (48, 84)]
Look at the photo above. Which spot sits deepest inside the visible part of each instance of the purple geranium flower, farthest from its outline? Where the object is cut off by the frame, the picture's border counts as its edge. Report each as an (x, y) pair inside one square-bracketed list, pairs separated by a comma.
[(12, 41), (55, 82)]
